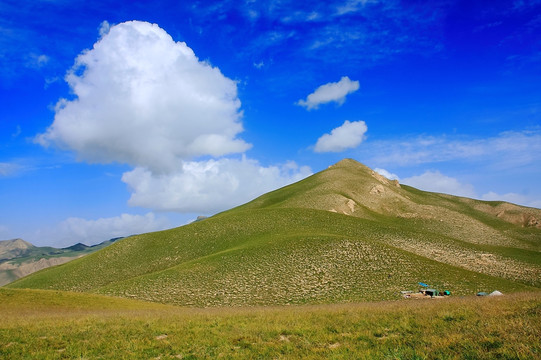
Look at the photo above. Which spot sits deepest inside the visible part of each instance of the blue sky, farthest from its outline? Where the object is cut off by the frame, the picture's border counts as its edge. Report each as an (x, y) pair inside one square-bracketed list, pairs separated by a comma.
[(125, 117)]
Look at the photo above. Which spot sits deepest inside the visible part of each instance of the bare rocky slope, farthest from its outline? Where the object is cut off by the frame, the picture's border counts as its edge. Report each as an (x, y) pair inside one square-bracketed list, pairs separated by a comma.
[(344, 234), (10, 249)]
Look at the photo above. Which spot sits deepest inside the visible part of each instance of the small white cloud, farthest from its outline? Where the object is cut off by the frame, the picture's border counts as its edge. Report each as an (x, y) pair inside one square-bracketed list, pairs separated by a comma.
[(513, 198), (387, 174), (331, 92), (146, 100), (253, 15), (208, 186), (90, 232), (301, 17), (17, 132), (35, 61), (51, 80), (104, 28), (352, 6), (259, 65), (348, 136), (42, 60), (9, 169), (313, 16), (435, 181)]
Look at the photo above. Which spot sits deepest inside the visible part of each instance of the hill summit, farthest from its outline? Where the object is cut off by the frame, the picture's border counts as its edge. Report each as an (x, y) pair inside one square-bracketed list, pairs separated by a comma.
[(351, 188), (344, 234)]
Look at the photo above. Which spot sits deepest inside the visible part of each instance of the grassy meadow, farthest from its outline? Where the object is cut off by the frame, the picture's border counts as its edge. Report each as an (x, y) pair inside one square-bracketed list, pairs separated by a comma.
[(43, 324)]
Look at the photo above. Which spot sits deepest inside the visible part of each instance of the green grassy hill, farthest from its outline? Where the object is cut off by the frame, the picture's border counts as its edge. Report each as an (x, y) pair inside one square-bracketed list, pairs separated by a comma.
[(344, 234)]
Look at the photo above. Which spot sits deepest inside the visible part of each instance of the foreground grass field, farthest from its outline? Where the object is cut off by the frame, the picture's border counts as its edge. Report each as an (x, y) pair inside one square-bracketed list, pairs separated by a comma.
[(40, 324)]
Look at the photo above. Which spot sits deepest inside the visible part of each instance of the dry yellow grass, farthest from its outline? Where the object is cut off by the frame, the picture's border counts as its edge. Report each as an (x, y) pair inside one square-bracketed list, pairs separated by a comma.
[(56, 325)]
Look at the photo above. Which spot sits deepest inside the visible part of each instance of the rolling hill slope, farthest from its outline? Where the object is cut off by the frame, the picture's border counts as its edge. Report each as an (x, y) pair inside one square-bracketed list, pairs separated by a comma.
[(344, 234)]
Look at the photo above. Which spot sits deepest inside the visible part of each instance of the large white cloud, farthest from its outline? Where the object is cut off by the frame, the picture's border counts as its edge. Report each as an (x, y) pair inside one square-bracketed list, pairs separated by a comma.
[(208, 186), (437, 182), (147, 101), (347, 136), (331, 92), (90, 232), (143, 99)]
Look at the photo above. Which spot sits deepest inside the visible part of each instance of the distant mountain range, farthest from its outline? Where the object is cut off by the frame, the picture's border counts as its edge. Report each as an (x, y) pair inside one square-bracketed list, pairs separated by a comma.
[(344, 234), (19, 258)]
